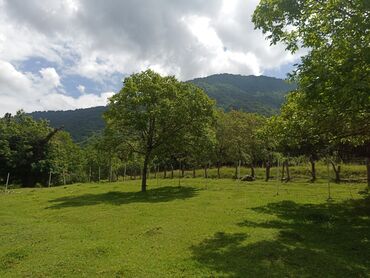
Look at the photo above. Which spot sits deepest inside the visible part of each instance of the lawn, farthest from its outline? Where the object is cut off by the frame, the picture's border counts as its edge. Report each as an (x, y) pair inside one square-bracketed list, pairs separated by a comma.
[(203, 228)]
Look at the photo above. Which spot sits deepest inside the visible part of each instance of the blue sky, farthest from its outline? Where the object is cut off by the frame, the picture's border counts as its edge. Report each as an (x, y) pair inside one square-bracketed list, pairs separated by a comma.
[(67, 54)]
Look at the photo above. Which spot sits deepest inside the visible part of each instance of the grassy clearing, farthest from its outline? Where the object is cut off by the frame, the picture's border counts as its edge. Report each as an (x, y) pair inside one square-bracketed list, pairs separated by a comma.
[(204, 228)]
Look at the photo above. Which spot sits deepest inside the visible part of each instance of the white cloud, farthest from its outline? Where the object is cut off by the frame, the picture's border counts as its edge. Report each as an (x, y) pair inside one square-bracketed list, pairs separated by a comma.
[(31, 92), (81, 89), (96, 39)]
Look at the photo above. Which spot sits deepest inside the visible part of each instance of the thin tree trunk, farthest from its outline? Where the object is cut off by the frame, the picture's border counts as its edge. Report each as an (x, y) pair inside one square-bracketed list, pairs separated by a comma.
[(239, 163), (252, 171), (205, 171), (99, 174), (182, 171), (64, 177), (49, 178), (368, 171), (218, 170), (7, 182), (268, 167), (313, 170), (287, 171), (193, 172), (171, 171), (336, 171), (124, 173), (283, 171), (165, 172)]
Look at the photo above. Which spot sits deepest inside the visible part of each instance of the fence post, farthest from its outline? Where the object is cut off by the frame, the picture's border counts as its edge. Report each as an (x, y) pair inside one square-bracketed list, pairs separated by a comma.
[(7, 182), (49, 178)]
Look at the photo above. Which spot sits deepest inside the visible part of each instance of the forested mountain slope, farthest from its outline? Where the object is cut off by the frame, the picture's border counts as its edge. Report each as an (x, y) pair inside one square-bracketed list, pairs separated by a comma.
[(259, 94)]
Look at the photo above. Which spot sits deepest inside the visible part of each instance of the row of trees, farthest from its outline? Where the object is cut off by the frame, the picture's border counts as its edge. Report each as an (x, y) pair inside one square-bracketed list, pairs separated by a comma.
[(32, 151), (159, 120)]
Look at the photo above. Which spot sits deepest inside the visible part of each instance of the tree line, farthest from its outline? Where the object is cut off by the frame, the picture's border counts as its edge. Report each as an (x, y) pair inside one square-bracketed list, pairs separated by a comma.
[(156, 120)]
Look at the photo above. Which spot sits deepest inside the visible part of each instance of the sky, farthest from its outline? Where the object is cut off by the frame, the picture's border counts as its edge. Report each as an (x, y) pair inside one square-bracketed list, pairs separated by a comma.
[(68, 54)]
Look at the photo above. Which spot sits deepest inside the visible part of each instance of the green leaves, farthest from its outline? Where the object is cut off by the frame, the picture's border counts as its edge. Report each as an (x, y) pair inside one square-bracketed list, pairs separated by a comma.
[(334, 77), (153, 115)]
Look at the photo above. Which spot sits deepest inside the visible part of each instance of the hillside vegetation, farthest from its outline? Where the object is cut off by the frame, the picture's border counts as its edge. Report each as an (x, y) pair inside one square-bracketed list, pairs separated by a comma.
[(259, 94)]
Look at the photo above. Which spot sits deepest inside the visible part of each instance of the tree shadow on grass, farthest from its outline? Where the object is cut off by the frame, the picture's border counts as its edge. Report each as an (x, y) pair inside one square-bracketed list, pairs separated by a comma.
[(156, 195), (326, 240)]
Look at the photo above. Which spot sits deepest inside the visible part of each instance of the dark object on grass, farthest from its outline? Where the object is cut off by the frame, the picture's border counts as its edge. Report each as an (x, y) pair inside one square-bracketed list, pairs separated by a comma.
[(247, 178)]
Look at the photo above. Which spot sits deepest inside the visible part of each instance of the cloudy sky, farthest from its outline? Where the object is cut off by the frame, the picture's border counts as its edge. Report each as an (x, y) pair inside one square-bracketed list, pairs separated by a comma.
[(67, 54)]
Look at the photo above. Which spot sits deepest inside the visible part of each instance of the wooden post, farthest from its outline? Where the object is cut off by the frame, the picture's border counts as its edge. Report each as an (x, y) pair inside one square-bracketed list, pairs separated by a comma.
[(179, 174), (239, 163), (7, 182), (124, 173), (64, 177), (49, 178), (329, 188), (157, 174), (90, 174)]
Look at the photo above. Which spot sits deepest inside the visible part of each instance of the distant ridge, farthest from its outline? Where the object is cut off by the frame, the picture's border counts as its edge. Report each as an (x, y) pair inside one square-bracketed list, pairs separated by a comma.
[(257, 94)]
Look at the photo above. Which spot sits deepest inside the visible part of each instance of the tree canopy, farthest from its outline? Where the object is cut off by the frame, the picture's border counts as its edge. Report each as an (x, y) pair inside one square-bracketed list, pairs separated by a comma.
[(153, 113)]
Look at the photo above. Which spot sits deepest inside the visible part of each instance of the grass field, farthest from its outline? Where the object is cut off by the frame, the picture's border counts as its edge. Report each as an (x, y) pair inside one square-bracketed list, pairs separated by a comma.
[(204, 228)]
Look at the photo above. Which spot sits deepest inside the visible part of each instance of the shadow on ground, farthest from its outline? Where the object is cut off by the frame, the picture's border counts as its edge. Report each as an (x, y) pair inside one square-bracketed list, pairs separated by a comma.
[(327, 240), (156, 195)]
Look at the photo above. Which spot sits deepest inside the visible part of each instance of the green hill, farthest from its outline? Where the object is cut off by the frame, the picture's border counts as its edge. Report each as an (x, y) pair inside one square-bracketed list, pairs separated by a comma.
[(80, 123), (258, 94)]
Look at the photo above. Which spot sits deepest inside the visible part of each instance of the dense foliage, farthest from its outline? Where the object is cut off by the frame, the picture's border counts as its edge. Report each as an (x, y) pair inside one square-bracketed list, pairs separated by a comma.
[(31, 151), (334, 77), (152, 115)]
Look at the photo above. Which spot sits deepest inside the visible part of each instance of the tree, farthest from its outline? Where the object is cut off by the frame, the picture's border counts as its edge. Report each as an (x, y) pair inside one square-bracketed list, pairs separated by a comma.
[(296, 133), (152, 113), (30, 149), (334, 77)]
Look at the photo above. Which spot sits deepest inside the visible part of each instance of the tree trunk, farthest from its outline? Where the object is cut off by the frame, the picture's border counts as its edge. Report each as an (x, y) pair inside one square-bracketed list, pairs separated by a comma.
[(144, 174), (283, 171), (182, 171), (268, 167), (171, 171), (239, 165), (205, 171), (287, 171), (313, 169), (368, 171), (218, 170), (194, 172), (336, 171), (164, 172), (252, 171)]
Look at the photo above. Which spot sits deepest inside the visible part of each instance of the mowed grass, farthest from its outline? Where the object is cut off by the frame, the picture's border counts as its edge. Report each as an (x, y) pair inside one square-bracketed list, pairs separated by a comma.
[(203, 228)]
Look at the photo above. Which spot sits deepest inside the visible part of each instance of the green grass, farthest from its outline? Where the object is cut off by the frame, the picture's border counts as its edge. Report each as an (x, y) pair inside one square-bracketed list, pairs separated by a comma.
[(204, 228)]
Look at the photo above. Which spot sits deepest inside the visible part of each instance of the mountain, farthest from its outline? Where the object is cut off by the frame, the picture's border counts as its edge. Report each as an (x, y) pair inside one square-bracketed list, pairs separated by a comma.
[(80, 123), (258, 94)]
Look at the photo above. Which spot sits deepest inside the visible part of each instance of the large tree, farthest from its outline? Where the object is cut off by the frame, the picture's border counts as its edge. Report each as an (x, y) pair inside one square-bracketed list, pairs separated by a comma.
[(334, 77), (152, 114)]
